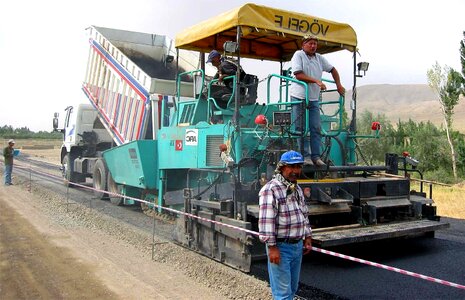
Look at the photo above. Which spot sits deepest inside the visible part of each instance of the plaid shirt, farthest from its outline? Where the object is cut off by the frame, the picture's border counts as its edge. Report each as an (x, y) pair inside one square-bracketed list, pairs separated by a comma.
[(282, 215)]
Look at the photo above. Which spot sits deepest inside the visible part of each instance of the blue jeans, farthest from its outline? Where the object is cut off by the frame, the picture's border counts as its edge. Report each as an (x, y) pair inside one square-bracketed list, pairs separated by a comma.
[(8, 170), (314, 127), (284, 278)]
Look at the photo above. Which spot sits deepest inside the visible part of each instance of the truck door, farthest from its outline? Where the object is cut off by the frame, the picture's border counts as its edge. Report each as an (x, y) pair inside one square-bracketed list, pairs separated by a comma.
[(69, 126)]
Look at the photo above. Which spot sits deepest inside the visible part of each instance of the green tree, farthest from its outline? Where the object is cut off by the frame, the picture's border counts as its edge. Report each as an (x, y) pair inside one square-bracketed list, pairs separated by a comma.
[(424, 141), (371, 150), (428, 145), (444, 82), (462, 61), (8, 132)]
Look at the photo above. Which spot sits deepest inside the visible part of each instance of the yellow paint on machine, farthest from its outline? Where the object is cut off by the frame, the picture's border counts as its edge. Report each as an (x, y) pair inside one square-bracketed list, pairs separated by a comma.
[(267, 33)]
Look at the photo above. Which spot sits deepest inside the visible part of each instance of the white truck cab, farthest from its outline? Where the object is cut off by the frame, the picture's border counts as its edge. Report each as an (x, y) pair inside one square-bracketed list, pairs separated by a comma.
[(84, 139)]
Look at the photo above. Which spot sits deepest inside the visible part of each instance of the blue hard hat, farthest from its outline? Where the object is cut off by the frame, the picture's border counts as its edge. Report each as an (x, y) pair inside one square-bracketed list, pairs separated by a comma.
[(212, 54), (292, 157)]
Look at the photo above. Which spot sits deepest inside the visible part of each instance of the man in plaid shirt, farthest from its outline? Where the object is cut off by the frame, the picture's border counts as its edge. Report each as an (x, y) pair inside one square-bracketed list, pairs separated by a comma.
[(284, 226)]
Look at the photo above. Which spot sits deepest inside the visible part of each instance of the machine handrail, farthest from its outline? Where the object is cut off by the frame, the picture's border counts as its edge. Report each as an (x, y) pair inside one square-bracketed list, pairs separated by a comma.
[(338, 112), (285, 85), (231, 98), (340, 101), (280, 102), (178, 89), (178, 81), (365, 136), (286, 79)]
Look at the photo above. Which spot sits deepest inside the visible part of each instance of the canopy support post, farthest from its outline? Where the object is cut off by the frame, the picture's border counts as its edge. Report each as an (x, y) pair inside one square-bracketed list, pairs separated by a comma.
[(236, 118)]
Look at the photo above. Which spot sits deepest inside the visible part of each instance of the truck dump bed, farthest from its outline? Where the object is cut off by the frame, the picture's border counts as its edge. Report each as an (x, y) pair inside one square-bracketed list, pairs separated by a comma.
[(125, 71)]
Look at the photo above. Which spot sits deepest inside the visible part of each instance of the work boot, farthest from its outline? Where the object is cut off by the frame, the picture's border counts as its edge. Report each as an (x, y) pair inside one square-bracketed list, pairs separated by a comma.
[(319, 163), (308, 162)]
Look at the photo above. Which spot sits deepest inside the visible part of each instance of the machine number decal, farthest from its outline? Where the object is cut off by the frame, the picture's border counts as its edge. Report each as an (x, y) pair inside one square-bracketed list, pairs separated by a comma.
[(191, 138)]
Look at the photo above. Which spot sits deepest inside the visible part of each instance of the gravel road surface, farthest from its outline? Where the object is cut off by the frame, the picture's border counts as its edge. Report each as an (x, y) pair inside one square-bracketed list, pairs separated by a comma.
[(56, 251)]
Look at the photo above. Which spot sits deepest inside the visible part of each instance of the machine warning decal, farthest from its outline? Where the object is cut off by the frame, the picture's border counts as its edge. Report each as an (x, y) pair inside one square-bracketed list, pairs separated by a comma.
[(178, 145), (191, 138), (132, 153)]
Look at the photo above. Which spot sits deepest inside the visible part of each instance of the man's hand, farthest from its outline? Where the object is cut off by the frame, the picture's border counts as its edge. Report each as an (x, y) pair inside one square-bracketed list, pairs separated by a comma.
[(274, 255), (307, 245), (341, 90), (321, 85)]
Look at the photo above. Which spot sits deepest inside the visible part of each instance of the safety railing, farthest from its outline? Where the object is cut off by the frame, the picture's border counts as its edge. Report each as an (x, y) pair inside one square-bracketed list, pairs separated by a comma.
[(212, 100), (284, 80), (340, 102), (339, 112), (192, 74)]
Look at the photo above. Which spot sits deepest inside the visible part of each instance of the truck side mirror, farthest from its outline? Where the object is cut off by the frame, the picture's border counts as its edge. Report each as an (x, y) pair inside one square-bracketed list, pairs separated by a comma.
[(55, 121)]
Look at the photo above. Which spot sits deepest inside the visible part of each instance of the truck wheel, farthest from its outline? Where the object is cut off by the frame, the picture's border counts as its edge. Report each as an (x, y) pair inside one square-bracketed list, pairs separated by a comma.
[(99, 179), (69, 176), (113, 187)]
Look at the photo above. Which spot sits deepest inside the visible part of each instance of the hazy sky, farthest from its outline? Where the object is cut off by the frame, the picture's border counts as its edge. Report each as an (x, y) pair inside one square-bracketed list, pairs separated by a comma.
[(44, 45)]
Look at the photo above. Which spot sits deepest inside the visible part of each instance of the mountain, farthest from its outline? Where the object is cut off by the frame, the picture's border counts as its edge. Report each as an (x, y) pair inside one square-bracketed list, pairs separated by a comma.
[(405, 101)]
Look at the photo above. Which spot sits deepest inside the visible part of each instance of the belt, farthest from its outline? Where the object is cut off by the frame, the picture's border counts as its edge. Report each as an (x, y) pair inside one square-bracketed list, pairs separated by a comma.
[(288, 240)]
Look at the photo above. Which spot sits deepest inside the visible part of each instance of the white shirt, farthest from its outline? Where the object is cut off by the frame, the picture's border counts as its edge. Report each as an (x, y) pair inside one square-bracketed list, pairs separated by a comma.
[(312, 66)]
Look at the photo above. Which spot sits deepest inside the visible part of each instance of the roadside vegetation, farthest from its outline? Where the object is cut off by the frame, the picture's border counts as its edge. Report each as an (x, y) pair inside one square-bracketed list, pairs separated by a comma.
[(441, 151), (450, 201), (424, 142), (8, 132)]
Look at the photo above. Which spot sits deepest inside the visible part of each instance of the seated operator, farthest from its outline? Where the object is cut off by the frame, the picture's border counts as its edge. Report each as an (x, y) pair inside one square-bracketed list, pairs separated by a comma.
[(225, 68)]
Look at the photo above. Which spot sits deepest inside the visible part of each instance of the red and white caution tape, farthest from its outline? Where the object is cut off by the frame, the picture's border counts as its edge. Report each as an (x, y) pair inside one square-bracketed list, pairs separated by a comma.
[(155, 206), (343, 256)]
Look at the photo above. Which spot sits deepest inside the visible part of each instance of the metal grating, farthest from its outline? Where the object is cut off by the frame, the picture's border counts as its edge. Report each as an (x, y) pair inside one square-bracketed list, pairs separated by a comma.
[(187, 113), (213, 151)]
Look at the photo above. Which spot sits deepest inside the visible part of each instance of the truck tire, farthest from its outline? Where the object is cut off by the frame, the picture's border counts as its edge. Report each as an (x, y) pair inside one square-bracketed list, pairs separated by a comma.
[(69, 176), (113, 187), (99, 179)]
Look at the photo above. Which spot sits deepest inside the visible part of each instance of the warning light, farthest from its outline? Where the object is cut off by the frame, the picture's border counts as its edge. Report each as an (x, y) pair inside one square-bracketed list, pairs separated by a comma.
[(375, 126), (227, 159), (261, 120), (223, 148)]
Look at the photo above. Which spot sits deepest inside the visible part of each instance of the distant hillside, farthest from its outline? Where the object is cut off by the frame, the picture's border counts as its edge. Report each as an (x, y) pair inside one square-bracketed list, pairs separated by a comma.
[(414, 101)]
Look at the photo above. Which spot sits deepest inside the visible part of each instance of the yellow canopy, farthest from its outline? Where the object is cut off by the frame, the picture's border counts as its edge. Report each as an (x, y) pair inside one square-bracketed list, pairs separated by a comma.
[(267, 33)]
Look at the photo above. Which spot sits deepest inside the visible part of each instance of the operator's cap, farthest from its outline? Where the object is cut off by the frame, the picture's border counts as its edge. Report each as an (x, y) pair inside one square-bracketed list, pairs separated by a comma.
[(308, 37), (11, 141), (212, 55), (291, 158)]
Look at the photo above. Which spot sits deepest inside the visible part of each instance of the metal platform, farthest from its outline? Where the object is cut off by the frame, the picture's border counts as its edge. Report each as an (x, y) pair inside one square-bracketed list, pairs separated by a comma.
[(344, 236)]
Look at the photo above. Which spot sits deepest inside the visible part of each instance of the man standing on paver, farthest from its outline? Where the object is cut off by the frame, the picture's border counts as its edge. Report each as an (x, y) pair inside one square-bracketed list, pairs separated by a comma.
[(308, 66)]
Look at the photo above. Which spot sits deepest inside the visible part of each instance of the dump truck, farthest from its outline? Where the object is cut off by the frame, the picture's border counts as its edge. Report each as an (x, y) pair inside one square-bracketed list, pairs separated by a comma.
[(163, 136), (128, 76)]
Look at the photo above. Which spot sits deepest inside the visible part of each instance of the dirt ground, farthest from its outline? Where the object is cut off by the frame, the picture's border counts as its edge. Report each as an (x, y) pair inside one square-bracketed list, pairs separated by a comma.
[(41, 260), (50, 154), (47, 252)]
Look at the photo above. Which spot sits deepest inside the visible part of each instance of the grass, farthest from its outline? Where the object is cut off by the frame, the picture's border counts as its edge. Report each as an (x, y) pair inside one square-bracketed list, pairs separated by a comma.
[(47, 150), (450, 201), (31, 143)]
